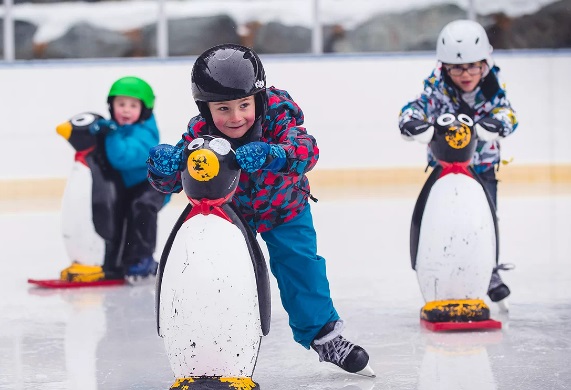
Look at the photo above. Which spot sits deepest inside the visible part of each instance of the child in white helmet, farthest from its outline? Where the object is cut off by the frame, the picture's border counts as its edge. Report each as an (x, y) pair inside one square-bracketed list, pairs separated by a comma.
[(465, 80)]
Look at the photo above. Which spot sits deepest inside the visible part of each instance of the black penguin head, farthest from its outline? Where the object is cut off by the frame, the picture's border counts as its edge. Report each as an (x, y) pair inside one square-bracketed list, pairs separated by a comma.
[(76, 130), (454, 138), (211, 171)]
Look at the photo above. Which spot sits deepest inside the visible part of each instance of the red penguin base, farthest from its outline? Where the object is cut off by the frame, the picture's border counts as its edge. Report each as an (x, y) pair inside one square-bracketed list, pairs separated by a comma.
[(460, 326), (57, 283)]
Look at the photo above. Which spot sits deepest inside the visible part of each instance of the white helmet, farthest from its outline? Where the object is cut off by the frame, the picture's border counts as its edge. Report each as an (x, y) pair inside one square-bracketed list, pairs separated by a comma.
[(463, 42)]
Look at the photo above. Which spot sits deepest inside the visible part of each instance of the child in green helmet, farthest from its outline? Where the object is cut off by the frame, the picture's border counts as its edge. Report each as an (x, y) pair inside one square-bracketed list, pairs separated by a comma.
[(127, 137)]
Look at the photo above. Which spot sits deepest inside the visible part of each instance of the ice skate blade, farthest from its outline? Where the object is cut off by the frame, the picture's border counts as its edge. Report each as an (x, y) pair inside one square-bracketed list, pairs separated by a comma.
[(503, 305), (367, 371)]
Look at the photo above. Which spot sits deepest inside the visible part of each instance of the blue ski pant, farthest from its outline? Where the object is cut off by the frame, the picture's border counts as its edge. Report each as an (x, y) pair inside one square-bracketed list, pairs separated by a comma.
[(301, 276)]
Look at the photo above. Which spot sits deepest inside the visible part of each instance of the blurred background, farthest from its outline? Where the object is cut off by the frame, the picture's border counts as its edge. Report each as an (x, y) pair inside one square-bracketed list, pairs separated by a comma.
[(350, 64), (50, 29)]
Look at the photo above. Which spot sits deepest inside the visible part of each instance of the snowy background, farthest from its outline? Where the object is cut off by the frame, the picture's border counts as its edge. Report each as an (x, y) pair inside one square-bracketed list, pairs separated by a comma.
[(55, 19)]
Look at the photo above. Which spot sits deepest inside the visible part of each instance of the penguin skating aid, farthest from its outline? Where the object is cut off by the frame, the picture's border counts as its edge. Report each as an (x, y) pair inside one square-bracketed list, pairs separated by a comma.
[(454, 233), (213, 297), (87, 201)]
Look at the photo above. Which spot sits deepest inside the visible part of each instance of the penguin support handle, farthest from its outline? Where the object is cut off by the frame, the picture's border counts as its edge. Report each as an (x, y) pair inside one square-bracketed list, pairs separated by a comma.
[(76, 130), (210, 170), (454, 138)]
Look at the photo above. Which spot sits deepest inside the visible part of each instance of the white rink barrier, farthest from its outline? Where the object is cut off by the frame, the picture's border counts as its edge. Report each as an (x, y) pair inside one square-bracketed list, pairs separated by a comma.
[(351, 104)]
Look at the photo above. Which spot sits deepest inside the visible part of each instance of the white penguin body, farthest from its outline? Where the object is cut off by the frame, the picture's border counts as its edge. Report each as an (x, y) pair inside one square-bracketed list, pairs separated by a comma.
[(457, 240), (213, 300), (454, 240), (82, 242), (209, 315)]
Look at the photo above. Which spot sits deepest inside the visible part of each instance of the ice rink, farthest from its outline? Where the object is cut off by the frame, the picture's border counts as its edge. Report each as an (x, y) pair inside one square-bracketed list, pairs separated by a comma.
[(105, 338)]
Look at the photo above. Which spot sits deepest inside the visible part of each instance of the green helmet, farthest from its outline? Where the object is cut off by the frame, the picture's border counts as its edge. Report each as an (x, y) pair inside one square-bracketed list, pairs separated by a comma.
[(134, 87)]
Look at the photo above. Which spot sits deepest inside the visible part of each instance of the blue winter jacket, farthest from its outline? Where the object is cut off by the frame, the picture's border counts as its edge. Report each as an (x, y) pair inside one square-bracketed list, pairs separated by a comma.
[(128, 148)]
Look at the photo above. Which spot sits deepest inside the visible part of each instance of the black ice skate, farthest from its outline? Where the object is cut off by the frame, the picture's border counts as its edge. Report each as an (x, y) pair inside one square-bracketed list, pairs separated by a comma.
[(334, 348), (498, 291)]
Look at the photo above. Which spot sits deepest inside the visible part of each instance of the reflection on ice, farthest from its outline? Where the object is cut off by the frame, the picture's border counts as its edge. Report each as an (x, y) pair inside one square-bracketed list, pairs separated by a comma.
[(458, 360)]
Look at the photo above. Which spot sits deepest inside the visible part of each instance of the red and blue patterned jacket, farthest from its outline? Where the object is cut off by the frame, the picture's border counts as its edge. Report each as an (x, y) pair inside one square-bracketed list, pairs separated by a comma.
[(266, 199)]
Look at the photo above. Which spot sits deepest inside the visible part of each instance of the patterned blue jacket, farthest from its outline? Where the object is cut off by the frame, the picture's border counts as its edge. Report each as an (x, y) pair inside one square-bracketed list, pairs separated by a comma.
[(440, 97)]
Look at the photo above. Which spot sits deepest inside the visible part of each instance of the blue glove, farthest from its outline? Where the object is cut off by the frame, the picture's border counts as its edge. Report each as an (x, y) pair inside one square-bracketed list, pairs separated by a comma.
[(102, 126), (260, 155), (164, 160)]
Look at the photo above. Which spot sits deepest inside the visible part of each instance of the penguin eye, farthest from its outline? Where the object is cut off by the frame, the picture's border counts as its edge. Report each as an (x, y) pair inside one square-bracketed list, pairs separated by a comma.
[(445, 119), (196, 144), (84, 119), (220, 146), (465, 119)]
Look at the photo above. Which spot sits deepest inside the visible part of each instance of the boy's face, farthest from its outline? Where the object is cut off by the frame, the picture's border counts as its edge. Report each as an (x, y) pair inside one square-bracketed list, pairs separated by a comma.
[(126, 110), (233, 117), (466, 76)]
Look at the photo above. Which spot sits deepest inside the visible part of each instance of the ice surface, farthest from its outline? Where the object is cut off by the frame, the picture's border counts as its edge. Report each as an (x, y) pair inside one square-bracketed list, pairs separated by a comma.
[(105, 338)]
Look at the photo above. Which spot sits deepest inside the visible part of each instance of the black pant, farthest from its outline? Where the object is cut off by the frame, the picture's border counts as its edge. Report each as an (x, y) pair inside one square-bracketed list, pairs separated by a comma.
[(134, 235), (490, 183)]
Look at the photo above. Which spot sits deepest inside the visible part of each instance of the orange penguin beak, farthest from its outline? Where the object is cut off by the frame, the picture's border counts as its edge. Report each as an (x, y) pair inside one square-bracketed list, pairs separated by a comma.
[(64, 130)]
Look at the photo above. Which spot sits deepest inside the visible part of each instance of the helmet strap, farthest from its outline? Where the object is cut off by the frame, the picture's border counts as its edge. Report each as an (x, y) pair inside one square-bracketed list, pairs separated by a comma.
[(205, 112), (490, 86)]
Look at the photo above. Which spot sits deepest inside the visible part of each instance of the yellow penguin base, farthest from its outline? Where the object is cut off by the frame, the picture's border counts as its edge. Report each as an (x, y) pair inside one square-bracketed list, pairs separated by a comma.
[(455, 310), (215, 383), (78, 272)]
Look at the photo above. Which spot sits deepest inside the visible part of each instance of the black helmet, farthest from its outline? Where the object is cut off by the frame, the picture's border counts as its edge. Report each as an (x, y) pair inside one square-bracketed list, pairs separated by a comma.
[(228, 72)]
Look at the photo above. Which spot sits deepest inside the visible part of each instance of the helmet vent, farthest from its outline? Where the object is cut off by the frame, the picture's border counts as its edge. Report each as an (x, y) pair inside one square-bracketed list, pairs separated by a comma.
[(477, 39), (459, 40)]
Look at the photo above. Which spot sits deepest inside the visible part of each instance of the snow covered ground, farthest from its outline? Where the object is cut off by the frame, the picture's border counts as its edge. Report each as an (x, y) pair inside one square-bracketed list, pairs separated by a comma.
[(55, 19), (105, 338)]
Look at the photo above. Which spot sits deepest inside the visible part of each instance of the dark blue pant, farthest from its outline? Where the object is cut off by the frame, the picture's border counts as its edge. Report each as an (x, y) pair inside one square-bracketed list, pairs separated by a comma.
[(135, 234), (490, 182), (301, 276)]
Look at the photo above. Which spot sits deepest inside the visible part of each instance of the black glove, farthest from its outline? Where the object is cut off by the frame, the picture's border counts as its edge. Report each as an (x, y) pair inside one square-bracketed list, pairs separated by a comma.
[(414, 127), (418, 130), (491, 125)]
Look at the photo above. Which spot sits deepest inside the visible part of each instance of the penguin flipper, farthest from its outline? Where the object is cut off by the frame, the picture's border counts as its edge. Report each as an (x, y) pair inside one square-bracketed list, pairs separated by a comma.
[(105, 197), (259, 263), (492, 210), (419, 211)]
